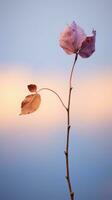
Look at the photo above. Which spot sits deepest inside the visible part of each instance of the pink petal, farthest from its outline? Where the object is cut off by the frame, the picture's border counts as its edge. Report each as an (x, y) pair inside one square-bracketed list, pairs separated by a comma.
[(71, 39), (67, 40), (80, 36), (88, 46)]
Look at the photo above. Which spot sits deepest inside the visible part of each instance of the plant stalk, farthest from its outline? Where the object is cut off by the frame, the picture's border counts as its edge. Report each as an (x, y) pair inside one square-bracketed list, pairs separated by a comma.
[(68, 133), (55, 94), (67, 108)]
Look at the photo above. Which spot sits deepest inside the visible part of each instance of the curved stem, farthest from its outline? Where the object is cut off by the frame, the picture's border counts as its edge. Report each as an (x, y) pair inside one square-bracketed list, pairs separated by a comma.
[(71, 74), (68, 132), (55, 94)]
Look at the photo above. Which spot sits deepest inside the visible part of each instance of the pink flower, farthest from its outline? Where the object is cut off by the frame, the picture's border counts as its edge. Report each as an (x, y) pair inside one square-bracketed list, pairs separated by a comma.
[(74, 40)]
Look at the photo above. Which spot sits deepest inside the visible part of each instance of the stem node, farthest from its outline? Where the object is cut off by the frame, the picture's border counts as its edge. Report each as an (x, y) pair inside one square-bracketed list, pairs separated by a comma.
[(65, 153), (66, 177), (69, 126), (72, 194)]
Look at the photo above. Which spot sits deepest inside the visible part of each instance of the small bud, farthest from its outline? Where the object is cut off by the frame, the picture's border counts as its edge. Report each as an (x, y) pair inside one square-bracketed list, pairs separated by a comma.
[(32, 87)]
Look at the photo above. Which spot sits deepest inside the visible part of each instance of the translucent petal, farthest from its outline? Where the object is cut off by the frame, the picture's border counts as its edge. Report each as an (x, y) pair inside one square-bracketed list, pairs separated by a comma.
[(88, 46), (71, 38)]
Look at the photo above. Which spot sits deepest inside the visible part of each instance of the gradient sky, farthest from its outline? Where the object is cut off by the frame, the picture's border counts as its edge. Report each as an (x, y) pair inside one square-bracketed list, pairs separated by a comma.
[(32, 162)]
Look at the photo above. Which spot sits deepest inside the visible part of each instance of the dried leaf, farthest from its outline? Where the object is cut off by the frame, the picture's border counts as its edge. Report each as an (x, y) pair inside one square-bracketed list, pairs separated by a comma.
[(30, 104), (32, 87), (88, 46)]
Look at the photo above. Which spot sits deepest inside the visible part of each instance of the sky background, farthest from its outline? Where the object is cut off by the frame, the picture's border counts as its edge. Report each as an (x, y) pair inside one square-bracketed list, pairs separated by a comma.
[(32, 162)]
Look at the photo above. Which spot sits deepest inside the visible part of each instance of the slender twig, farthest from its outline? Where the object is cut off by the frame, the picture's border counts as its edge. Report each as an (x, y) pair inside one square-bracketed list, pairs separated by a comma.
[(68, 126), (68, 133), (55, 94)]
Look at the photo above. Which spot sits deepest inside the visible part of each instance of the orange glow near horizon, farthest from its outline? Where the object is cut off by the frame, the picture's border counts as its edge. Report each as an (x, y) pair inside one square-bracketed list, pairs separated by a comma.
[(91, 99)]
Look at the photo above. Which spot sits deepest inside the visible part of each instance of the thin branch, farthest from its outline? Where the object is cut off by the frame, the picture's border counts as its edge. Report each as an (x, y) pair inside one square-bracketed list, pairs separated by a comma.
[(71, 74), (55, 94), (68, 132)]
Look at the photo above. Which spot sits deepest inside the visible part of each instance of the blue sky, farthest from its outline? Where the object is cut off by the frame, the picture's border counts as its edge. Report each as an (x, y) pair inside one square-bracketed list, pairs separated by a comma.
[(30, 30), (31, 148)]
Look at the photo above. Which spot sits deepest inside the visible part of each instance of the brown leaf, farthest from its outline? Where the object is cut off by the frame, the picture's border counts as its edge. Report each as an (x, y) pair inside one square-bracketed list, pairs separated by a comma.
[(30, 104), (32, 87)]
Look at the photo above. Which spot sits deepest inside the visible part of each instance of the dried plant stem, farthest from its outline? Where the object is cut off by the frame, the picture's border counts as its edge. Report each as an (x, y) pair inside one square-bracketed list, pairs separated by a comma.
[(67, 108), (55, 94), (68, 133)]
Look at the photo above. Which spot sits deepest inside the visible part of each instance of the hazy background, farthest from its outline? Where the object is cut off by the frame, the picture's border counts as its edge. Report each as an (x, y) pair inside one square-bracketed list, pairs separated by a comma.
[(32, 162)]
